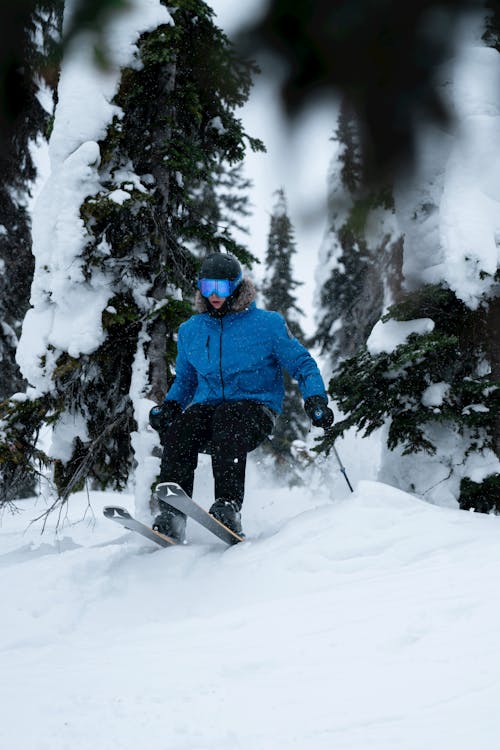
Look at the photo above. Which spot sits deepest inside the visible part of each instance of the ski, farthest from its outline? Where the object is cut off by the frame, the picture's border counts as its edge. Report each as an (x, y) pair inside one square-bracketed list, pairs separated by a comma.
[(123, 517), (173, 494)]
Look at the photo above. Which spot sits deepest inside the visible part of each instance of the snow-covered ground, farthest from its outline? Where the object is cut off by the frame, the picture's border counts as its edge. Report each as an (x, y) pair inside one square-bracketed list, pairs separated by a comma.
[(346, 621)]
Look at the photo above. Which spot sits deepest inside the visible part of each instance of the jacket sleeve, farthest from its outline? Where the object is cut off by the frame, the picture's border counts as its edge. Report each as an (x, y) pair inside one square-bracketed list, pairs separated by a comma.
[(297, 361), (183, 388)]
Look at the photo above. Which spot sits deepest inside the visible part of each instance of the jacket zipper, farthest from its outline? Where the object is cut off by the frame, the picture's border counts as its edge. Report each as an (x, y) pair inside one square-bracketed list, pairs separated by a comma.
[(207, 345), (220, 361)]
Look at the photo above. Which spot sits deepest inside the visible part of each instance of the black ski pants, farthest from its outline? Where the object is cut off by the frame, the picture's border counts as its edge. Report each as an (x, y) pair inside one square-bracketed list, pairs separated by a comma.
[(230, 430)]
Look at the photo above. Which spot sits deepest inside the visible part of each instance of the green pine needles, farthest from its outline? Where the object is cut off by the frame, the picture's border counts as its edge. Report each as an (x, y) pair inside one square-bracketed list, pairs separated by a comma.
[(393, 388), (279, 294)]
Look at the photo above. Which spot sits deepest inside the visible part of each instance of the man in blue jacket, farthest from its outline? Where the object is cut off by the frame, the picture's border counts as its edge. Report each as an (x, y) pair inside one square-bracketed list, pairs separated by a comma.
[(228, 390)]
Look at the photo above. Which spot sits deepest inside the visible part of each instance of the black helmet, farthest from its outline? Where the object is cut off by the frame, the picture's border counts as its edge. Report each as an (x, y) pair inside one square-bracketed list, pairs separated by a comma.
[(220, 274), (220, 266)]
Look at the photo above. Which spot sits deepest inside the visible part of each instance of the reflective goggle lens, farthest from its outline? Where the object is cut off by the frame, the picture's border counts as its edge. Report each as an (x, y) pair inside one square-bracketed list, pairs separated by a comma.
[(220, 287)]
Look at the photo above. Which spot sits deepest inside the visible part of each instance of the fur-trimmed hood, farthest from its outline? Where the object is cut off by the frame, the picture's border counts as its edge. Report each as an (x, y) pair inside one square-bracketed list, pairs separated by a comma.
[(241, 298)]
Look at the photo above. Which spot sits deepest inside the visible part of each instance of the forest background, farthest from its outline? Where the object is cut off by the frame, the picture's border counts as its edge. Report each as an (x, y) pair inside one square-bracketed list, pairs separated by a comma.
[(405, 303)]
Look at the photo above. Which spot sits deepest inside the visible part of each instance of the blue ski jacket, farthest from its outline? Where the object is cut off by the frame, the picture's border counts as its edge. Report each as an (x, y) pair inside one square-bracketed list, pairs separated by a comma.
[(240, 356)]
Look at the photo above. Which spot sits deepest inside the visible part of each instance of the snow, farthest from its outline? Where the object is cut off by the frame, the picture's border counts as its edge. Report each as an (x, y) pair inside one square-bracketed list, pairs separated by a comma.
[(64, 432), (119, 196), (367, 620), (144, 439), (66, 306), (435, 394), (387, 336), (449, 211)]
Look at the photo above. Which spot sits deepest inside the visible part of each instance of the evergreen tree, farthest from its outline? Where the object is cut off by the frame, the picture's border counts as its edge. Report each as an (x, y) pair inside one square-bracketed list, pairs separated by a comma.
[(433, 384), (492, 25), (492, 339), (436, 393), (175, 142), (279, 294), (361, 252), (18, 173), (26, 123)]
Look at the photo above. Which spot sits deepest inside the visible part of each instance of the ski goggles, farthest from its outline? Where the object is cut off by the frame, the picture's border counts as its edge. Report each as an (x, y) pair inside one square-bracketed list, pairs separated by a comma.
[(220, 287)]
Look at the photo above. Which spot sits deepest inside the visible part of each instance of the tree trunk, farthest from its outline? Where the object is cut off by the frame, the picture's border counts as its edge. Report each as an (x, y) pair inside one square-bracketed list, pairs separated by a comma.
[(158, 375)]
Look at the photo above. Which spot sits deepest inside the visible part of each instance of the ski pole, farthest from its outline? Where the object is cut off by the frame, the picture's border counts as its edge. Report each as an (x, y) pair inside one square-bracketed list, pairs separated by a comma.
[(342, 468)]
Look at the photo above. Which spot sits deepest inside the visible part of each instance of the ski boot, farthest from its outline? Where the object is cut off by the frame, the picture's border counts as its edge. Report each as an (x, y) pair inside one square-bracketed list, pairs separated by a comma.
[(170, 522), (228, 513)]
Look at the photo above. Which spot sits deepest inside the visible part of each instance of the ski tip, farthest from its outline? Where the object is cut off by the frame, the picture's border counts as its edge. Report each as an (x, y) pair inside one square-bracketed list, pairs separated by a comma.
[(169, 489), (111, 511)]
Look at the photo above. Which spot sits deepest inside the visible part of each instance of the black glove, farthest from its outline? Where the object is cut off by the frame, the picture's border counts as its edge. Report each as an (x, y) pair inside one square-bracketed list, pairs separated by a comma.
[(162, 416), (318, 411)]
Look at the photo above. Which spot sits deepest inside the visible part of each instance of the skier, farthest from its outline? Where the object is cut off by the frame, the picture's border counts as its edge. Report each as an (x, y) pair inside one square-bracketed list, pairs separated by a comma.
[(228, 390)]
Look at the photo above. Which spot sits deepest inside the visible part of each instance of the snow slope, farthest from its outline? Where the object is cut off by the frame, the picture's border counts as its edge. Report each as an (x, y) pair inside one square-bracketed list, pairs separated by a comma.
[(369, 621)]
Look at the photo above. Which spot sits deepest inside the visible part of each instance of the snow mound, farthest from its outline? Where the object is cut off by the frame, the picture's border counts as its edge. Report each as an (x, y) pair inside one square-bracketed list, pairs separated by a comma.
[(369, 621)]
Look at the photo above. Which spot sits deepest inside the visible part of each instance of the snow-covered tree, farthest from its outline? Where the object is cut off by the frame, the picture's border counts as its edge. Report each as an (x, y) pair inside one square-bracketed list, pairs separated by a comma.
[(430, 373), (18, 173), (278, 292), (30, 108), (427, 380), (360, 258), (134, 150)]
